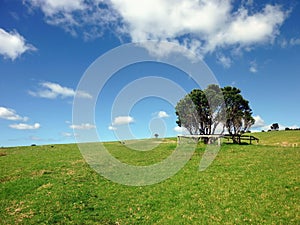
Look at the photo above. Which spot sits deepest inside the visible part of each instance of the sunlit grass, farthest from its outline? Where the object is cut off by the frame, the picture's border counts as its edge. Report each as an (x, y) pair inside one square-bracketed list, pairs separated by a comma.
[(254, 184), (279, 138)]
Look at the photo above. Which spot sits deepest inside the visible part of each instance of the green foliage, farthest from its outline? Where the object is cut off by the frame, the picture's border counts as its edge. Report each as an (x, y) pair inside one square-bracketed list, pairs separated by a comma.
[(238, 112), (200, 112), (187, 115), (249, 184), (274, 126)]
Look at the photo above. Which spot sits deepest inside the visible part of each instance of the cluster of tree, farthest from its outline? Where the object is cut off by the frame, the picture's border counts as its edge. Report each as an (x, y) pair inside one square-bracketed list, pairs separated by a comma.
[(202, 111), (287, 128), (274, 126)]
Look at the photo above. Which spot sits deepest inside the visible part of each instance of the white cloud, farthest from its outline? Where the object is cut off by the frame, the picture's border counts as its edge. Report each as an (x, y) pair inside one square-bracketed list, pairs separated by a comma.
[(72, 15), (162, 114), (83, 126), (253, 67), (201, 26), (247, 29), (53, 90), (214, 22), (248, 2), (69, 135), (83, 94), (259, 122), (112, 128), (283, 43), (24, 126), (161, 49), (122, 120), (13, 45), (223, 60), (295, 41), (35, 138), (161, 19), (10, 114), (181, 130), (50, 7)]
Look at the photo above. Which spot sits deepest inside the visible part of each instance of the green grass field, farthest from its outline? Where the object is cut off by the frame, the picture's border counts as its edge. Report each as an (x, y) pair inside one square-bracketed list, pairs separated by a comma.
[(247, 184)]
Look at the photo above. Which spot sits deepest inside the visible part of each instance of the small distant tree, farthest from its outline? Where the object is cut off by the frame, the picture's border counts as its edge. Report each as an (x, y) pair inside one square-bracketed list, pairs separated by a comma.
[(156, 135), (274, 126)]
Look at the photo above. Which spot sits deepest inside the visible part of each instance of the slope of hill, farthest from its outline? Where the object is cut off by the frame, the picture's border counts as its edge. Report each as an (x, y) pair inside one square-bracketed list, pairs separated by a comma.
[(253, 184), (279, 138)]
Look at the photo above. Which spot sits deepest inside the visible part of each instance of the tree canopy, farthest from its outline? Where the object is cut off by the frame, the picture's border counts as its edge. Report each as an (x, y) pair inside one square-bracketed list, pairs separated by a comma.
[(275, 126), (238, 112), (202, 111)]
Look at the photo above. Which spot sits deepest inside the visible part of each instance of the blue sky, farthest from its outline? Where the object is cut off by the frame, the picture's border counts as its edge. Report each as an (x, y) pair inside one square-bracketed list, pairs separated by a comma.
[(46, 47)]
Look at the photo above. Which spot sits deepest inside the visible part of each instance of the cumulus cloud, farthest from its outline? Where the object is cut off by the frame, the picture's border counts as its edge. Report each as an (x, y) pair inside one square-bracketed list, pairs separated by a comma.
[(35, 138), (83, 126), (69, 135), (161, 19), (10, 114), (162, 114), (122, 120), (181, 130), (53, 90), (224, 61), (259, 122), (245, 29), (295, 41), (50, 7), (24, 126), (13, 45), (284, 43), (161, 49), (201, 26), (72, 15), (253, 67), (213, 23), (112, 128)]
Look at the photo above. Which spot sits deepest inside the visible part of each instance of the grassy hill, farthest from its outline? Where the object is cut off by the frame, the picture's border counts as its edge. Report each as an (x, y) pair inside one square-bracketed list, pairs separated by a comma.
[(253, 184), (279, 138)]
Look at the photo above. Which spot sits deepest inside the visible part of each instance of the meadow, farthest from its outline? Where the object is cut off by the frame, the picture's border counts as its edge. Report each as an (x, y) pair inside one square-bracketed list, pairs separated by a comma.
[(245, 184)]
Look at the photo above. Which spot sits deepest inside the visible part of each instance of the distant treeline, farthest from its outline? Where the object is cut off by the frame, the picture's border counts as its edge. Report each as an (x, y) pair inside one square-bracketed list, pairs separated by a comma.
[(287, 128)]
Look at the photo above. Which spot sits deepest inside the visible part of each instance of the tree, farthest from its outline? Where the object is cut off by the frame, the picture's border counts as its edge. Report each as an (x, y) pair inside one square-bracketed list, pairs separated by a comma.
[(217, 109), (238, 112), (187, 115), (156, 135), (200, 112), (274, 126)]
